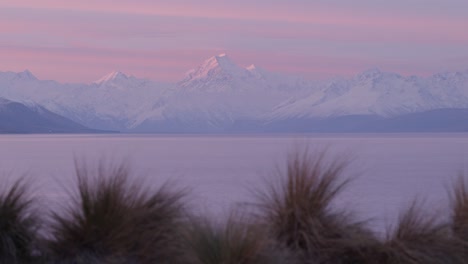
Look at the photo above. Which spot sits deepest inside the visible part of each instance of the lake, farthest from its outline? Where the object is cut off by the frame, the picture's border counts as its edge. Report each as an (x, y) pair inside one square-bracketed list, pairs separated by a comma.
[(391, 169)]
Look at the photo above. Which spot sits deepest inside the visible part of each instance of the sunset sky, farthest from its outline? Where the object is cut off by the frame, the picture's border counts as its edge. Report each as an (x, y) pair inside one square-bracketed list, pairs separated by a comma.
[(80, 41)]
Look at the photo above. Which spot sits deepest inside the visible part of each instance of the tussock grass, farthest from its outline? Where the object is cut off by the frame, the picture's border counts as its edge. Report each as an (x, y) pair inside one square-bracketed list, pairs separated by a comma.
[(299, 214), (421, 238), (459, 216), (116, 220), (18, 224), (238, 240), (459, 199)]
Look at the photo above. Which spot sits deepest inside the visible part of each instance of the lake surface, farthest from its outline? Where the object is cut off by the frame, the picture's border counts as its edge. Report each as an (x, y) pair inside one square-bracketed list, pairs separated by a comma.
[(392, 169)]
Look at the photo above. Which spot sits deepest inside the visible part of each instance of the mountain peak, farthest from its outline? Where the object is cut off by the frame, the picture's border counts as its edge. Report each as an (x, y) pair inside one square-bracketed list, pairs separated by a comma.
[(220, 64), (251, 67), (115, 75), (369, 73), (26, 75), (222, 60), (256, 71)]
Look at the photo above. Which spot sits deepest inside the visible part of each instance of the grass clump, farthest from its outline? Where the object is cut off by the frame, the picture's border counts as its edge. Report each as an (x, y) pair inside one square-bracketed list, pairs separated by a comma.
[(459, 216), (114, 220), (237, 241), (421, 238), (459, 200), (299, 214), (18, 224)]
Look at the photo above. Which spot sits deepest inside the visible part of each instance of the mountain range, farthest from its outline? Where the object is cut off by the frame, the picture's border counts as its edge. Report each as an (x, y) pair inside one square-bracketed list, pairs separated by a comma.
[(220, 96)]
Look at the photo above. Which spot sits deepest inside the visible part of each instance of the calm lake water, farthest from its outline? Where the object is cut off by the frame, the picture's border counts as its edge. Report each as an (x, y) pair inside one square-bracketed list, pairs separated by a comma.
[(392, 169)]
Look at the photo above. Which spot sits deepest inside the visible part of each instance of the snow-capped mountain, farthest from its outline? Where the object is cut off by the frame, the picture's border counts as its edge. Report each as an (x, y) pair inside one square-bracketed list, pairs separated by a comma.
[(221, 96), (111, 103), (115, 77), (216, 74), (379, 93), (217, 94)]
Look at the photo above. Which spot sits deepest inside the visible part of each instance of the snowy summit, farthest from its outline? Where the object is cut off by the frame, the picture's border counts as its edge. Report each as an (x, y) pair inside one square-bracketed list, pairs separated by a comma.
[(113, 76)]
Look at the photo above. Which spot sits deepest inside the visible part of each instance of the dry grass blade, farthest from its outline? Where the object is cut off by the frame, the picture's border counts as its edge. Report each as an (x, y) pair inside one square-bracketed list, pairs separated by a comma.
[(113, 218)]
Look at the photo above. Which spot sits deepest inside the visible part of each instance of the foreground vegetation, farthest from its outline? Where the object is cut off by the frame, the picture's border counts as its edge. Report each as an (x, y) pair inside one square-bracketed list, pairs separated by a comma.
[(114, 218)]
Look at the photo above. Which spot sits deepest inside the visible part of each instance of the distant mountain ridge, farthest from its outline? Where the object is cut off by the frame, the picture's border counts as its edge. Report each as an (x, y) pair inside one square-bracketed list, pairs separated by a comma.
[(220, 96), (19, 118)]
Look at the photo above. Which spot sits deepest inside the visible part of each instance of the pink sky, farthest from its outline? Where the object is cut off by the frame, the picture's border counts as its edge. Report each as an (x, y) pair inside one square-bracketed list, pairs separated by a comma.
[(73, 41)]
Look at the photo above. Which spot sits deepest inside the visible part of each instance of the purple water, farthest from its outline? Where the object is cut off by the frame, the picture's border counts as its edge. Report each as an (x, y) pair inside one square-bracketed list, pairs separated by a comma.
[(223, 170)]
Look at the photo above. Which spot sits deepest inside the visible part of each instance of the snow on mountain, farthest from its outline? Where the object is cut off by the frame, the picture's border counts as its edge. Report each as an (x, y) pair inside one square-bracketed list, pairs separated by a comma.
[(379, 93), (111, 104), (220, 72), (26, 75), (216, 93), (115, 76), (216, 74), (219, 67), (219, 94)]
